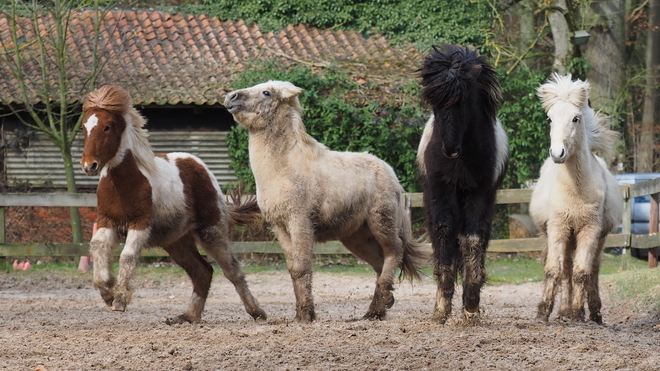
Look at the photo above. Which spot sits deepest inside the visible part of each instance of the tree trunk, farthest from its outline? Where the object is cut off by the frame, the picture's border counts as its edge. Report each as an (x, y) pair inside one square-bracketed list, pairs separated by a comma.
[(605, 53), (76, 225), (561, 36), (644, 156), (527, 21)]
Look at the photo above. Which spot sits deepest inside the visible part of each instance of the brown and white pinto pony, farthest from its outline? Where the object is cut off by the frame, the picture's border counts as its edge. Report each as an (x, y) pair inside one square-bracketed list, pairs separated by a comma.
[(576, 201), (310, 194), (172, 201)]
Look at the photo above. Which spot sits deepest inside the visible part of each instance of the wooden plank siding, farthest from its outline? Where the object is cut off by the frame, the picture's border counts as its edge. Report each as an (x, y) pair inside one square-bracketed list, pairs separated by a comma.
[(39, 162)]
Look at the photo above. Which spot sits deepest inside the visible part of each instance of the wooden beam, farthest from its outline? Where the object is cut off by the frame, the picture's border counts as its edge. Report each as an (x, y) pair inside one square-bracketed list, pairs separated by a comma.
[(48, 199)]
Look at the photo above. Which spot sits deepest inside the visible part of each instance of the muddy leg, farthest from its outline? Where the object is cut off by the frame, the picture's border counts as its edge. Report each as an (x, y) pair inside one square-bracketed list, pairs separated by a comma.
[(446, 277), (566, 293), (383, 224), (585, 255), (297, 247), (593, 296), (553, 270), (135, 241), (100, 248), (184, 253), (364, 246), (214, 241), (473, 251)]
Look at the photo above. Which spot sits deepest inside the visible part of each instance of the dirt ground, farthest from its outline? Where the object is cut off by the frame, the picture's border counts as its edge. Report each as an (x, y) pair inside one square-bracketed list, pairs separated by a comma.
[(60, 323)]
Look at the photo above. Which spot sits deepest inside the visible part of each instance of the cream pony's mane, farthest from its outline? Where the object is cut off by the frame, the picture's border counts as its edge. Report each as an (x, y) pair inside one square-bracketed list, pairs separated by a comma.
[(561, 89), (116, 100), (300, 131)]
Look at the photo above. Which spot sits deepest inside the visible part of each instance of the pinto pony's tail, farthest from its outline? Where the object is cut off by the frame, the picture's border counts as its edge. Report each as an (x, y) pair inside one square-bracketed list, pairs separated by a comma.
[(449, 72), (243, 211), (415, 256)]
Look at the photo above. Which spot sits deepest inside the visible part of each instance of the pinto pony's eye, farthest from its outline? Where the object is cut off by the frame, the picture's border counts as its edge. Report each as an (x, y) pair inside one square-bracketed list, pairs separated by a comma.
[(576, 119), (107, 128), (266, 93)]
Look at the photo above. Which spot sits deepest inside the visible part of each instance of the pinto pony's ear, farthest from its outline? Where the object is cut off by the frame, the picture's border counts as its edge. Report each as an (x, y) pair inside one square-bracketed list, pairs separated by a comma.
[(474, 72)]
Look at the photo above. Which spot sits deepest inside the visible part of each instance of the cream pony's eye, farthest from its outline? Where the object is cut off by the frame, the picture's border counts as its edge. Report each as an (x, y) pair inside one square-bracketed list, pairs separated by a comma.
[(576, 119), (266, 93)]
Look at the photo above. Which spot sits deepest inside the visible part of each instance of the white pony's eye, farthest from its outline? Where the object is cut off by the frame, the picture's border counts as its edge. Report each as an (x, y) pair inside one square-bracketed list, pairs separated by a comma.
[(576, 119), (266, 93)]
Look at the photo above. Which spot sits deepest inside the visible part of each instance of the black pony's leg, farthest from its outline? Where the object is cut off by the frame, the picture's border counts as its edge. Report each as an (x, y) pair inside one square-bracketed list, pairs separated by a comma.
[(475, 234), (442, 217)]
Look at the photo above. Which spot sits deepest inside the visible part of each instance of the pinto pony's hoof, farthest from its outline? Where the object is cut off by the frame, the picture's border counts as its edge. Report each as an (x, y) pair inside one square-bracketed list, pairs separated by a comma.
[(118, 307)]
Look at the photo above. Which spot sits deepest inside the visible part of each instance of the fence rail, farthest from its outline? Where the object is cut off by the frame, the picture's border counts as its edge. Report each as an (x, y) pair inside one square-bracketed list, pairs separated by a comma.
[(650, 241)]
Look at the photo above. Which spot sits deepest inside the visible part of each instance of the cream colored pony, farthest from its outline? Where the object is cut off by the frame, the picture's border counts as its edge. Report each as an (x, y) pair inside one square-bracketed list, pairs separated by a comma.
[(310, 194), (576, 201)]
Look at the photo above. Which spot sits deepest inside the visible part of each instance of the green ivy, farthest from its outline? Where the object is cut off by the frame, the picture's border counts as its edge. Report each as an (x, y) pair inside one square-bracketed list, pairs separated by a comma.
[(526, 125), (420, 22)]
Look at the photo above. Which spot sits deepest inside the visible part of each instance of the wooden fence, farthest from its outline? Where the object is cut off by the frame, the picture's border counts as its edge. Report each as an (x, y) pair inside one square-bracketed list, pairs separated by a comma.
[(650, 241)]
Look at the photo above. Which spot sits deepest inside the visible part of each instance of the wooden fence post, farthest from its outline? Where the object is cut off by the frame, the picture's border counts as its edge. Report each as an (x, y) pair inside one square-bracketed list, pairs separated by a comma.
[(653, 228)]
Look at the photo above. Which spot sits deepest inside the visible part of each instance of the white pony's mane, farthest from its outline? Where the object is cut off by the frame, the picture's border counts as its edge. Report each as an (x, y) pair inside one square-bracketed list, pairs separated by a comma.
[(138, 140), (561, 89)]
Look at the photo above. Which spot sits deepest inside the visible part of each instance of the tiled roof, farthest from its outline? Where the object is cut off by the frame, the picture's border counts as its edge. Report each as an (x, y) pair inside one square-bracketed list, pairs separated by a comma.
[(164, 58)]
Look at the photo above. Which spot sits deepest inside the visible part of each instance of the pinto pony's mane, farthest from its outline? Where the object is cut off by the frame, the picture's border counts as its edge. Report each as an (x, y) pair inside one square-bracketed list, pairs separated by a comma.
[(449, 70), (561, 89), (116, 100)]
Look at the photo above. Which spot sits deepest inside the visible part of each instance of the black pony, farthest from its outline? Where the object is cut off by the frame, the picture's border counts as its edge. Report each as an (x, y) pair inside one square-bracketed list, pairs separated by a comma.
[(462, 157)]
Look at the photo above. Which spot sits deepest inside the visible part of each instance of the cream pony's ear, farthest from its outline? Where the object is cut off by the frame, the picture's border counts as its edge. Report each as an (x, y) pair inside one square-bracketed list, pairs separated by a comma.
[(287, 89)]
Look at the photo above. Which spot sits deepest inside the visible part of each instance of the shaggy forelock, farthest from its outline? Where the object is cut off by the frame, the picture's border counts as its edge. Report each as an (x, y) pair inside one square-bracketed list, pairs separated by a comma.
[(110, 98), (562, 89)]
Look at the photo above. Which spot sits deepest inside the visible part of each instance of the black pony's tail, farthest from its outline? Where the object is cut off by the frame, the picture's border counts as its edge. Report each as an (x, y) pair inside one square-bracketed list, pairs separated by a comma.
[(449, 71)]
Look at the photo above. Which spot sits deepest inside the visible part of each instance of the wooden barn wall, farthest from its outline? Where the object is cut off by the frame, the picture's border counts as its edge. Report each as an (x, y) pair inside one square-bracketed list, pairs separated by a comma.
[(38, 161)]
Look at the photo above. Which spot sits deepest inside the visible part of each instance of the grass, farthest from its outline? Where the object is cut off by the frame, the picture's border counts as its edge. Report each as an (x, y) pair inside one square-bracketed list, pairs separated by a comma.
[(501, 268)]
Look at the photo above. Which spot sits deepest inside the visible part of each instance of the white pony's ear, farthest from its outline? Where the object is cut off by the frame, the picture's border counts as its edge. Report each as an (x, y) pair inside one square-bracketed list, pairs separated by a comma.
[(287, 89)]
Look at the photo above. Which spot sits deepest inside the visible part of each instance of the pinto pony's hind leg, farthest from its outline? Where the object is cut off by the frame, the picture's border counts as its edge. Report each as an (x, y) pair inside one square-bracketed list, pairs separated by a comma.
[(128, 260), (100, 248), (184, 253), (216, 244)]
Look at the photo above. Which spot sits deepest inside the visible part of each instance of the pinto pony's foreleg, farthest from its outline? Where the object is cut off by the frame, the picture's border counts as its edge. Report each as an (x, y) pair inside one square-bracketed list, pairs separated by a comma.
[(128, 259), (297, 246), (100, 248)]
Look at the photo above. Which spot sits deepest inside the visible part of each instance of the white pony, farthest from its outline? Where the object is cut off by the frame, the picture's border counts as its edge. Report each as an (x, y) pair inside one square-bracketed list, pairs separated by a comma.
[(576, 201)]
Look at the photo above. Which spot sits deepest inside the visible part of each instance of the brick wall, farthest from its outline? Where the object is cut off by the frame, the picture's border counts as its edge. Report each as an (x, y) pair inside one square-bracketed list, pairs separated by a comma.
[(45, 224)]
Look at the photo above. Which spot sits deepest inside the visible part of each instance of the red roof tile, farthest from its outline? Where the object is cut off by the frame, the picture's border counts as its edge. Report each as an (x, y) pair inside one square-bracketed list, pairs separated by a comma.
[(164, 58)]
